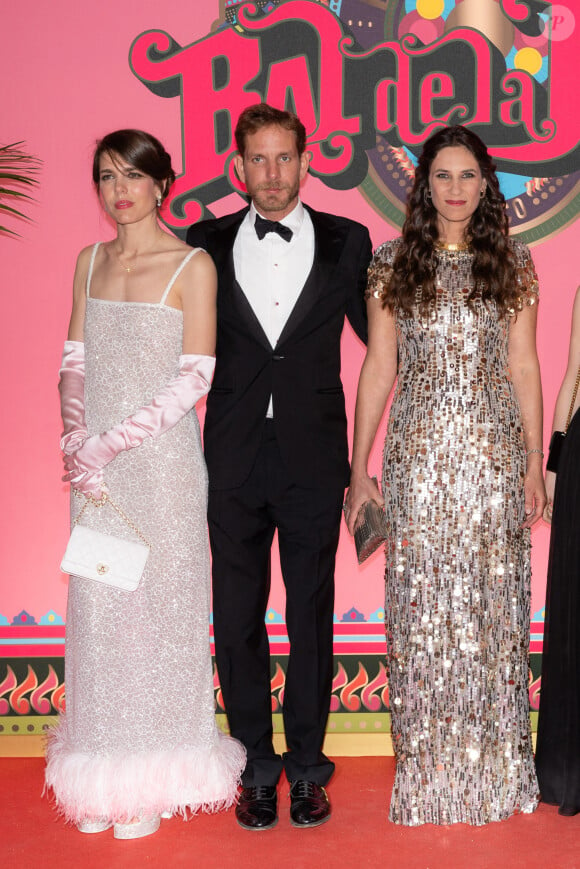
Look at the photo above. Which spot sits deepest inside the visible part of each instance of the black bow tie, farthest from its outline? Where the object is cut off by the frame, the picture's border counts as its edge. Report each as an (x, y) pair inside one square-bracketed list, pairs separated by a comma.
[(263, 226)]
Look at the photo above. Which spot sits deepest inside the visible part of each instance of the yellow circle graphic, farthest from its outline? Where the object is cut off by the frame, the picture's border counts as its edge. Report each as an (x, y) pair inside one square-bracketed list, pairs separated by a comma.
[(430, 8), (528, 59)]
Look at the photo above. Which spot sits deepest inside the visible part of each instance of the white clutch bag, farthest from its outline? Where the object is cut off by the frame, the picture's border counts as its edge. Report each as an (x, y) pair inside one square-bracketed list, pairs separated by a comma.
[(105, 558)]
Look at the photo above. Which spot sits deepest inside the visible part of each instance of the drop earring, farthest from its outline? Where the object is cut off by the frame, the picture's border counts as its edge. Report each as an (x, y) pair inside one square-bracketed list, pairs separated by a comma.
[(159, 202)]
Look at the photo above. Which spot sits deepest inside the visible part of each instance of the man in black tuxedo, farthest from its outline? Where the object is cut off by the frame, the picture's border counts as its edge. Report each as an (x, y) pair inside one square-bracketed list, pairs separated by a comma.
[(277, 456)]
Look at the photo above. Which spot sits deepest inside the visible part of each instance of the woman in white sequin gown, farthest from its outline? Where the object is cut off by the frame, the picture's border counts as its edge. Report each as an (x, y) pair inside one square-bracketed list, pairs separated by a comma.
[(139, 736), (452, 317)]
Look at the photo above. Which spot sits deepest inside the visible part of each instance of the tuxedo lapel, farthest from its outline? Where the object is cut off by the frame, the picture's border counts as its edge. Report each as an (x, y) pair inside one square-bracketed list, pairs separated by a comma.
[(223, 255), (328, 243), (246, 311), (222, 244)]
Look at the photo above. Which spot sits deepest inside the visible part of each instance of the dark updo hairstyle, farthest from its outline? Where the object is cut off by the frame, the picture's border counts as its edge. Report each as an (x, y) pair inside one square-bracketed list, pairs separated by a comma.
[(415, 263), (139, 149)]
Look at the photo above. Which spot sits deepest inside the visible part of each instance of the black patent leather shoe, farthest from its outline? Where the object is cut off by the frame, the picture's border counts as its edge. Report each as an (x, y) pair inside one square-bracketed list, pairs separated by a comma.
[(257, 808), (309, 804)]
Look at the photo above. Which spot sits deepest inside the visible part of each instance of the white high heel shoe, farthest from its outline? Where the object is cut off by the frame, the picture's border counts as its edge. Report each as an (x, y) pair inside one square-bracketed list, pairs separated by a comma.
[(141, 827), (94, 825)]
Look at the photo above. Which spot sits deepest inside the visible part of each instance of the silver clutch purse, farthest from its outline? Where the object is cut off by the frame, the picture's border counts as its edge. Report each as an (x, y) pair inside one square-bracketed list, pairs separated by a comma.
[(370, 529)]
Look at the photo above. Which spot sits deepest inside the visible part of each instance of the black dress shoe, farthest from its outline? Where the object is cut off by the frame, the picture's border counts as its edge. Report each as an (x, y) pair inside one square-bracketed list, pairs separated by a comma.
[(309, 804), (257, 808)]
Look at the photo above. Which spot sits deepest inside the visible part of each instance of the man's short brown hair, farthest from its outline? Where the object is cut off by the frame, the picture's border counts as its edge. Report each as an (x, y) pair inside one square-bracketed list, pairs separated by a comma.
[(261, 115)]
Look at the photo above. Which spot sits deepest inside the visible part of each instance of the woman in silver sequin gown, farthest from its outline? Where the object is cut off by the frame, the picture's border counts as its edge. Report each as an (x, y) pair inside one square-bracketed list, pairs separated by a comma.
[(462, 484), (139, 736)]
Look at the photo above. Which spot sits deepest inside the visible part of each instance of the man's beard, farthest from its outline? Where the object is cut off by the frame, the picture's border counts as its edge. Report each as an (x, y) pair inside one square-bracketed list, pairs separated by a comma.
[(266, 202)]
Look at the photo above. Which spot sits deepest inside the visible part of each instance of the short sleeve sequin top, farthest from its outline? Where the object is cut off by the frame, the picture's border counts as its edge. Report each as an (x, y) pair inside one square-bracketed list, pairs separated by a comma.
[(457, 560)]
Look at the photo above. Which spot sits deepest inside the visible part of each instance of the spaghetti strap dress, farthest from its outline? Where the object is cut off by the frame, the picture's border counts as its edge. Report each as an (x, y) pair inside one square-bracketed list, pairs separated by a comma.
[(139, 736)]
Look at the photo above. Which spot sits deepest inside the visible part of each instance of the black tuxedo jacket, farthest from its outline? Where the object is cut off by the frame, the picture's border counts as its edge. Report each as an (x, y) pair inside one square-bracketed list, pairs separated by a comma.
[(302, 372)]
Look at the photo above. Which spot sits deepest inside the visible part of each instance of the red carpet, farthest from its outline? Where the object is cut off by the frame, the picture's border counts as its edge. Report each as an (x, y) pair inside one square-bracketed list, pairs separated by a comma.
[(358, 834)]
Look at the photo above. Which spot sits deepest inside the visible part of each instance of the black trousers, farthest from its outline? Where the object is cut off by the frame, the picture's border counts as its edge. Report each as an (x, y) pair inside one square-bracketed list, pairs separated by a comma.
[(242, 522)]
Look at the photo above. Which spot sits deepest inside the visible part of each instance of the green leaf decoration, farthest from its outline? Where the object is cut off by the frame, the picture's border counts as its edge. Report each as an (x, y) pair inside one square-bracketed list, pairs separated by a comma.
[(17, 169)]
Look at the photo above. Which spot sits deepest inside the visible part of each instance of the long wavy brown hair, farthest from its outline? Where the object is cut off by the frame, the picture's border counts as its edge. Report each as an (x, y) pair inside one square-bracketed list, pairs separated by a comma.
[(416, 261)]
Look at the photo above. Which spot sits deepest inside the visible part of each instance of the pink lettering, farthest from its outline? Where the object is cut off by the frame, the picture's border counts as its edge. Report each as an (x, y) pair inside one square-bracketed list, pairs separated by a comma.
[(437, 85), (520, 110), (330, 114), (518, 10), (293, 76), (202, 101), (561, 130), (416, 89)]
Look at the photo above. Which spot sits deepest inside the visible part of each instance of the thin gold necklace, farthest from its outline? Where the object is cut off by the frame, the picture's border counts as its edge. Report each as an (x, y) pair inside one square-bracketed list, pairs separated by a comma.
[(125, 268), (129, 269)]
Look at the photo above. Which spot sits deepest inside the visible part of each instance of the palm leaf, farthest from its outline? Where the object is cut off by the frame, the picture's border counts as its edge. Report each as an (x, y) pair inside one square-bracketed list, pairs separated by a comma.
[(17, 169), (5, 191)]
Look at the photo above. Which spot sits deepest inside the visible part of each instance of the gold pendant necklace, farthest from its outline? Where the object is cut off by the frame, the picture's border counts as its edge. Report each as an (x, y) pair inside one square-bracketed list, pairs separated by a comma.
[(129, 269), (125, 268)]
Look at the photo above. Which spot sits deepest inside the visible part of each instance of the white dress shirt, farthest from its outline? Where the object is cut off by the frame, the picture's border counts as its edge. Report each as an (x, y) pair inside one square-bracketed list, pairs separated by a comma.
[(272, 271)]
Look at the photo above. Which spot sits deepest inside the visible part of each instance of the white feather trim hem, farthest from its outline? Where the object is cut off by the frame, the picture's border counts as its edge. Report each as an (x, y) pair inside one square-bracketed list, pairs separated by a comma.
[(122, 787)]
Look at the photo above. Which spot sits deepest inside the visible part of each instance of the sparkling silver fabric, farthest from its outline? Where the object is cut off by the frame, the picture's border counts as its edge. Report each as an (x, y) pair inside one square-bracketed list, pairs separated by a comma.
[(139, 718), (457, 562)]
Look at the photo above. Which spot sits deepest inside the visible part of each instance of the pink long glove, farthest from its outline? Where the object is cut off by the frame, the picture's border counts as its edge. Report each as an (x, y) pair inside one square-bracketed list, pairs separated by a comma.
[(72, 408), (165, 410), (72, 396)]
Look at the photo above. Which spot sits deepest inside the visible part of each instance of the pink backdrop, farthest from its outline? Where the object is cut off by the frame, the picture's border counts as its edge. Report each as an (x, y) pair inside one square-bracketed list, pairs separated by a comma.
[(66, 81)]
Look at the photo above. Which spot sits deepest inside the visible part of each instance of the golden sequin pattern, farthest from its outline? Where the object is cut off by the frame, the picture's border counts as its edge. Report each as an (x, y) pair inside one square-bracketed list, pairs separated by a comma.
[(457, 597)]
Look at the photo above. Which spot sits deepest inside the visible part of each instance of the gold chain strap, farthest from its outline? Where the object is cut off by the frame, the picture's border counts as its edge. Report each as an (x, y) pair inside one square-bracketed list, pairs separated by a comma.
[(573, 402), (106, 499)]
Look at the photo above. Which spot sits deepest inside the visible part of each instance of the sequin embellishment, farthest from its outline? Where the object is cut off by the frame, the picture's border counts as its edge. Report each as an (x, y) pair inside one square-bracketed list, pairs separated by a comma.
[(457, 561)]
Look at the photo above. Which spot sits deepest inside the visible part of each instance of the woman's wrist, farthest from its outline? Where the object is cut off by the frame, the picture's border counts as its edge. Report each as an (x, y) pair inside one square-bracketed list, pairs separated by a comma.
[(535, 451), (535, 468), (358, 473), (535, 455)]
